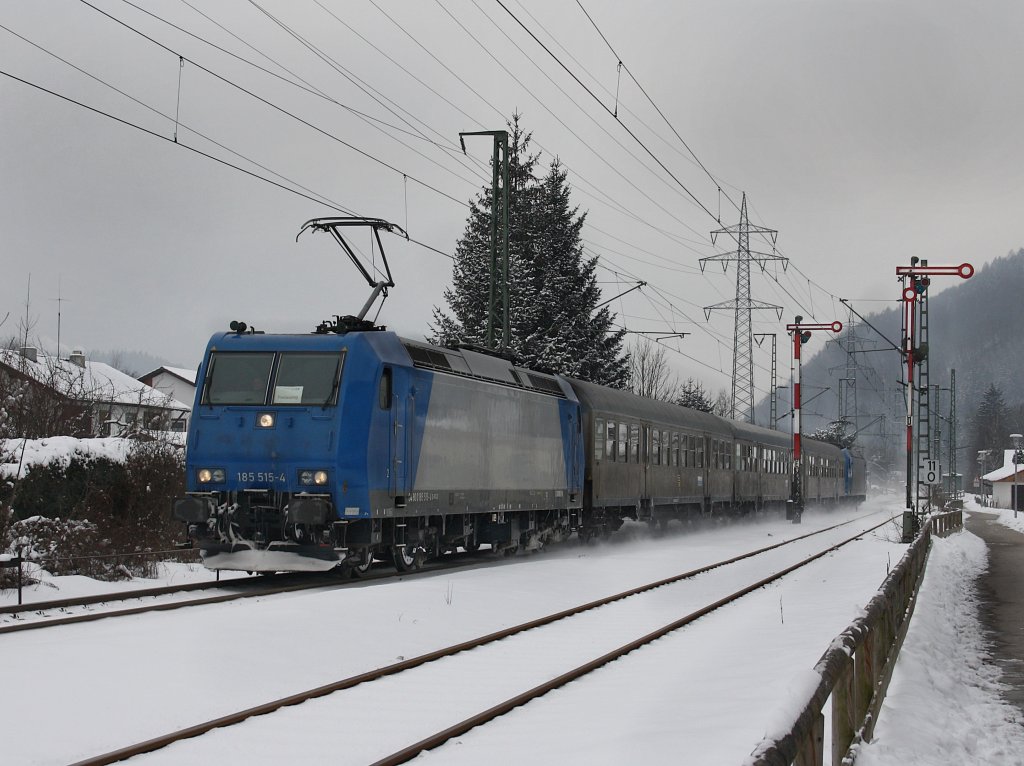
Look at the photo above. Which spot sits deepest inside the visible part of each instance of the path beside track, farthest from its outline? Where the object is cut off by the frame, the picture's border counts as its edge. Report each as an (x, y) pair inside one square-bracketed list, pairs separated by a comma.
[(1002, 599)]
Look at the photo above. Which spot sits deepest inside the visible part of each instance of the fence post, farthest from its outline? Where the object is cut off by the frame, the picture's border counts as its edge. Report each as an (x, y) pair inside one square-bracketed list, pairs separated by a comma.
[(9, 562), (812, 750), (843, 725)]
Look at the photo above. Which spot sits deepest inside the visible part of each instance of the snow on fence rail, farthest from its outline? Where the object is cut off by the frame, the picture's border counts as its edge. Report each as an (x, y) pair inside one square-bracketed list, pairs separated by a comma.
[(855, 670)]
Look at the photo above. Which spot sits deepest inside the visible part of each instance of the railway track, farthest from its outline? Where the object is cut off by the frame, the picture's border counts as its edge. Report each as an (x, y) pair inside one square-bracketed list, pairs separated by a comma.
[(53, 613), (47, 614), (433, 669)]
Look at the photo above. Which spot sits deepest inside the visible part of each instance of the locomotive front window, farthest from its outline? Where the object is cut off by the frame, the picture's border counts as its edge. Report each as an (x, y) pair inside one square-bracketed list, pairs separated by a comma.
[(238, 378), (307, 378)]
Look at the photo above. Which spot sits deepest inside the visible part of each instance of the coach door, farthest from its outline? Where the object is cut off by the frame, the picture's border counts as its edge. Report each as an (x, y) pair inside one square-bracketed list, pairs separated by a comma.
[(399, 438)]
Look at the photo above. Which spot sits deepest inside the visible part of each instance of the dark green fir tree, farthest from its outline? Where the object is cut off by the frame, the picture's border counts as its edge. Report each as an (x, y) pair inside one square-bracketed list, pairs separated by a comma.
[(555, 322)]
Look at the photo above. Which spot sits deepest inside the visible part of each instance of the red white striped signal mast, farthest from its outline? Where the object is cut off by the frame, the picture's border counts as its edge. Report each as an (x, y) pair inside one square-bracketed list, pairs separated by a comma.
[(801, 334), (915, 280)]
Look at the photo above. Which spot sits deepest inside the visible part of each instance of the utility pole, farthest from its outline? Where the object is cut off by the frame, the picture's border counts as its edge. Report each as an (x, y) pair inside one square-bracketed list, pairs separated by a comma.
[(954, 488), (774, 396), (914, 280), (849, 402), (801, 334), (742, 306), (499, 221)]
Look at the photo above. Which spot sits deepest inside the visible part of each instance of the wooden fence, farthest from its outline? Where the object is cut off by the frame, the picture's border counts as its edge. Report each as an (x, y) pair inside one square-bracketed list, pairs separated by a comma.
[(855, 670)]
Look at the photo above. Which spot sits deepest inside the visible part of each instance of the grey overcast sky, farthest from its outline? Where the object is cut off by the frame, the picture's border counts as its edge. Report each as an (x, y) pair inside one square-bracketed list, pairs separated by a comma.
[(864, 131)]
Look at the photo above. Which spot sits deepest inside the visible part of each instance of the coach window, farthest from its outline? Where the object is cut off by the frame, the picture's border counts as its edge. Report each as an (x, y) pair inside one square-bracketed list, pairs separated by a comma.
[(599, 439), (675, 449), (656, 448), (634, 443), (384, 390), (609, 442), (622, 447)]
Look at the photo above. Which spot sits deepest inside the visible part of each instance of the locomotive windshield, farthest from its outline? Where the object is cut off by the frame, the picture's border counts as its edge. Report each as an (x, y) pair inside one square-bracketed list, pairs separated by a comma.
[(238, 378), (307, 379)]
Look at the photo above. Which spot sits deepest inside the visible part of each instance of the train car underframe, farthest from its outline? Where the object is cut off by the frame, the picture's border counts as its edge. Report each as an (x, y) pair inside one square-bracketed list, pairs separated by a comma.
[(264, 530)]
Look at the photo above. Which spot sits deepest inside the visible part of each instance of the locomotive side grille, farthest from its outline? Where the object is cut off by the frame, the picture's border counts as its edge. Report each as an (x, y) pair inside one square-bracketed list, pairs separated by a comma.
[(455, 364), (544, 384), (425, 357)]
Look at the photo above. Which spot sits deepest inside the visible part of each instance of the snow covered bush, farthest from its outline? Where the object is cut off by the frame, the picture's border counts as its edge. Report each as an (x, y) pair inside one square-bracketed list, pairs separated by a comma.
[(109, 508), (60, 546)]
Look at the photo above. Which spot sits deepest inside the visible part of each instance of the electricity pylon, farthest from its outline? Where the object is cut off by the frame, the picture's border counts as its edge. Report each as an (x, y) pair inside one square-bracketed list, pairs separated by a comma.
[(743, 305)]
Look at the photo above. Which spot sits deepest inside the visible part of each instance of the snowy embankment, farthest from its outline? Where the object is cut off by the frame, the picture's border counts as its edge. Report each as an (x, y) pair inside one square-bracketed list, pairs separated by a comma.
[(944, 704)]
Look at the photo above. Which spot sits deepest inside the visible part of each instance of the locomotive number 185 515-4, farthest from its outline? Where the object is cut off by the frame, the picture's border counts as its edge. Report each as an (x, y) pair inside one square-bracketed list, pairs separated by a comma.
[(260, 476)]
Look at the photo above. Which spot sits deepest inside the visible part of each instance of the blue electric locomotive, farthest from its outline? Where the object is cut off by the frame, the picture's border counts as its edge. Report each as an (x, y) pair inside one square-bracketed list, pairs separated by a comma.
[(310, 451)]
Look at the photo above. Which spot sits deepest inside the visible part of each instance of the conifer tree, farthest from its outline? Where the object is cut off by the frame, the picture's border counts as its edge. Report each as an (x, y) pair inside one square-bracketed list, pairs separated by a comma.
[(990, 426), (553, 294)]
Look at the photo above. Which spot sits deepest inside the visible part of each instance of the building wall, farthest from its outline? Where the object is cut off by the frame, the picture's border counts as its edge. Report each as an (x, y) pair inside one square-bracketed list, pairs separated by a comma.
[(174, 387)]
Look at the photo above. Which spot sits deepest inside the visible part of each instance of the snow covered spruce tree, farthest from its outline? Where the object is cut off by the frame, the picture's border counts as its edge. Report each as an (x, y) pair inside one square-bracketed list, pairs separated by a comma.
[(553, 295)]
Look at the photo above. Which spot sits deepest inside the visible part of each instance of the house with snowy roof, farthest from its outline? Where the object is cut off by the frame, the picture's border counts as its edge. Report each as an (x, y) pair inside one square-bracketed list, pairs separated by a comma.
[(1007, 482), (87, 398), (177, 382)]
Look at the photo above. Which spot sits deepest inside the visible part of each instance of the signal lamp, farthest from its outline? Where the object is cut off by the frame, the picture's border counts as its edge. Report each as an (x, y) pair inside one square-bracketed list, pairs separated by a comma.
[(265, 420)]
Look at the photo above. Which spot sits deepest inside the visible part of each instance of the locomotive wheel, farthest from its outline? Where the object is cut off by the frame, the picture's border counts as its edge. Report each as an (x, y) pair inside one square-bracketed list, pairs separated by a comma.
[(363, 567), (406, 558)]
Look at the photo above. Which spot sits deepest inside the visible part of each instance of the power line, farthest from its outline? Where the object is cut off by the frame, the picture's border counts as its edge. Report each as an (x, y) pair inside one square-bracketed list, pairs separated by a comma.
[(154, 134), (274, 106)]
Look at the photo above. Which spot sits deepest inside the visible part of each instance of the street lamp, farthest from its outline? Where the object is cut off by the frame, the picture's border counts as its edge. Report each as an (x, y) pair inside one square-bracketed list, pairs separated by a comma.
[(1016, 460)]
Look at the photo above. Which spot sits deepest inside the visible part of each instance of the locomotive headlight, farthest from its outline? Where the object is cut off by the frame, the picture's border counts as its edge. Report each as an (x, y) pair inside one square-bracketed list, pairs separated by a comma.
[(210, 475), (265, 420), (309, 478)]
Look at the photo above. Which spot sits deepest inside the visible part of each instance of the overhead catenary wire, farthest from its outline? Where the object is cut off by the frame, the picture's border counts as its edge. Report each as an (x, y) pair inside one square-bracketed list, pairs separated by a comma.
[(274, 106), (302, 84)]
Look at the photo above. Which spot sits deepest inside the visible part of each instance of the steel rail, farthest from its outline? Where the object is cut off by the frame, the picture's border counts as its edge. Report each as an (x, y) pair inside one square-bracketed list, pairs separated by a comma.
[(195, 730), (247, 593), (406, 754), (305, 584), (101, 598)]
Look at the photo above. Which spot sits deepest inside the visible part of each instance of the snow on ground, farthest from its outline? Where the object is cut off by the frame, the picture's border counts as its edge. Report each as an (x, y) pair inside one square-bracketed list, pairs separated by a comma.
[(944, 704), (46, 587), (704, 695)]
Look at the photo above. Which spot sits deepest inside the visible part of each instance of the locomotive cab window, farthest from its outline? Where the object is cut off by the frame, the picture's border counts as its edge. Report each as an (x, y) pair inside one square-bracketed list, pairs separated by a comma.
[(307, 378), (238, 378)]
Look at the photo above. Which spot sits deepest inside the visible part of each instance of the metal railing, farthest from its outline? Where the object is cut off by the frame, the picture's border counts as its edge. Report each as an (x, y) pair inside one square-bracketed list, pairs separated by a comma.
[(855, 670)]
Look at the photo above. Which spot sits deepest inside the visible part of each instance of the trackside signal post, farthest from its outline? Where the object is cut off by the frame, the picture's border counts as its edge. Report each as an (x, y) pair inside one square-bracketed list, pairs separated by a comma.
[(915, 280), (801, 334)]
